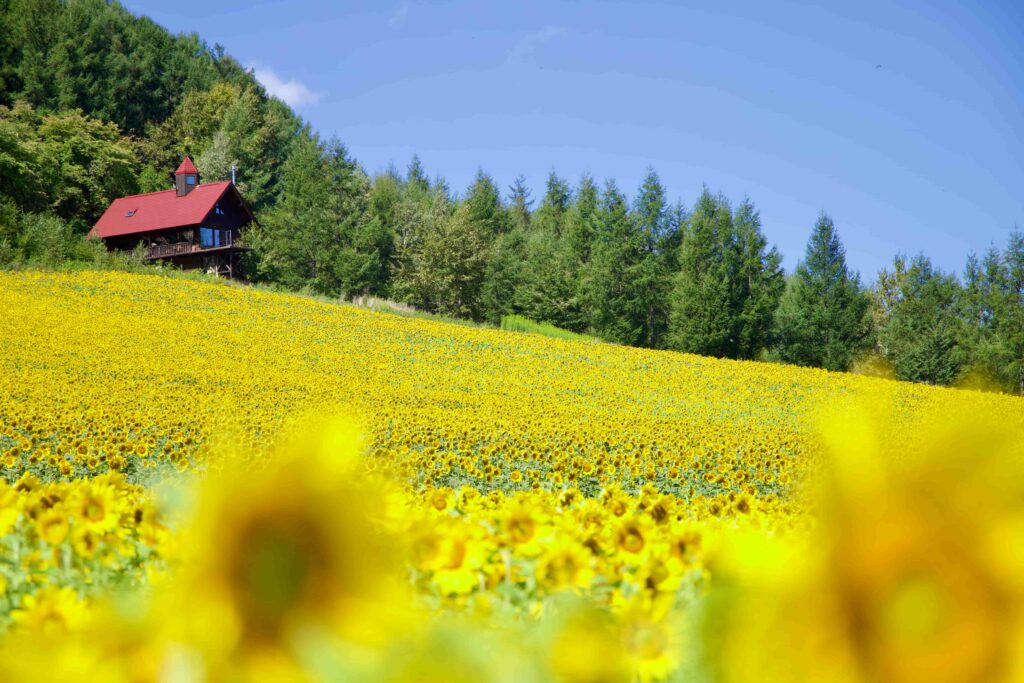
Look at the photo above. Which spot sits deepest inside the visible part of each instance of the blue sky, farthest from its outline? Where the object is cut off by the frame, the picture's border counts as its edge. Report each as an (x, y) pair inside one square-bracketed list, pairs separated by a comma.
[(905, 121)]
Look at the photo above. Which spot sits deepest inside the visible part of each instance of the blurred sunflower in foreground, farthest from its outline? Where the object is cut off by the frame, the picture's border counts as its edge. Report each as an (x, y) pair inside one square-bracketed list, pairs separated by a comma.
[(293, 552), (916, 574), (278, 560)]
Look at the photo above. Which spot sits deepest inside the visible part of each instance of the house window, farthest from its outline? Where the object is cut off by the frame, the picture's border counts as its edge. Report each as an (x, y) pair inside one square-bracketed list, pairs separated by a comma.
[(190, 180), (130, 213), (217, 210), (209, 237)]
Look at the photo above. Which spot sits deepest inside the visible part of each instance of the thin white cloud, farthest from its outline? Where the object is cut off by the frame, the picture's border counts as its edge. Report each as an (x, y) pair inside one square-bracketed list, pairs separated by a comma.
[(523, 52), (291, 92), (399, 15)]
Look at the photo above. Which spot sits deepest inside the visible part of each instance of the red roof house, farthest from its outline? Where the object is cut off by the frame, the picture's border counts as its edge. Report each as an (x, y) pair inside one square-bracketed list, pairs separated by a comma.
[(193, 226)]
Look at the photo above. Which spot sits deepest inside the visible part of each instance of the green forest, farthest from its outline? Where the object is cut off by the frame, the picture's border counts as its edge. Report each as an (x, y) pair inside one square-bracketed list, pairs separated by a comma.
[(96, 103)]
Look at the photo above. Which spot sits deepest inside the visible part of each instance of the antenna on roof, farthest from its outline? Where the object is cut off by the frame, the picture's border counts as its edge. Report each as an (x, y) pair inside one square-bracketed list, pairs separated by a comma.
[(232, 174)]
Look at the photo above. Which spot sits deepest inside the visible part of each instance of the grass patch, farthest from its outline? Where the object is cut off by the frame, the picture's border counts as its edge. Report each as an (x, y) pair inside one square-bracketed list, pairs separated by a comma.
[(517, 323)]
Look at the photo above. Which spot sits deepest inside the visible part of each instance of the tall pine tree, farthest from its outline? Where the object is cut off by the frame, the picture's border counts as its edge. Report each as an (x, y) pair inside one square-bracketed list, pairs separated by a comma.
[(337, 252), (823, 322), (613, 291), (550, 216), (519, 203), (759, 282), (581, 220), (992, 306), (657, 236), (703, 316), (483, 205)]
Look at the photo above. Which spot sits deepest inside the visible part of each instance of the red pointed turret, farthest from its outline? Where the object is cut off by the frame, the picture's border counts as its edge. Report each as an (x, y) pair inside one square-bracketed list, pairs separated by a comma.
[(186, 178), (186, 167)]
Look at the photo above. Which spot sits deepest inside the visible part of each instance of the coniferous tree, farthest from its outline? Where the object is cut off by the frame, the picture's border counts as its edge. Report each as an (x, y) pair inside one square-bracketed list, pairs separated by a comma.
[(759, 282), (336, 252), (977, 309), (550, 289), (483, 205), (615, 300), (824, 322), (550, 216), (581, 221), (703, 317), (416, 177), (992, 307), (519, 204), (657, 236), (505, 275), (31, 34), (923, 328), (505, 271), (548, 261), (547, 290), (1010, 330), (386, 209)]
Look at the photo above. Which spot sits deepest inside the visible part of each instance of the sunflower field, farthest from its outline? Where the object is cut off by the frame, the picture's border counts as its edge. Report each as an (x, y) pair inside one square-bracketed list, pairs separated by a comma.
[(203, 482)]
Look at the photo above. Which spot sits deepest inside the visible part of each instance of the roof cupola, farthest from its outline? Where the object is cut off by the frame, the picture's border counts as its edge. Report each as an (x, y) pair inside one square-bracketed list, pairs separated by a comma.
[(186, 177)]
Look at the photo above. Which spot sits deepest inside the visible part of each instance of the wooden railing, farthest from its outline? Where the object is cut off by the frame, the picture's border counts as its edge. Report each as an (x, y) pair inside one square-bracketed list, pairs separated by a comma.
[(179, 248), (165, 250)]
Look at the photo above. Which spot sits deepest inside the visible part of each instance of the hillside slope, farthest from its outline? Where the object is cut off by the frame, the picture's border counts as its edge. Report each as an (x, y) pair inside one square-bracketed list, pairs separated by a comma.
[(91, 359)]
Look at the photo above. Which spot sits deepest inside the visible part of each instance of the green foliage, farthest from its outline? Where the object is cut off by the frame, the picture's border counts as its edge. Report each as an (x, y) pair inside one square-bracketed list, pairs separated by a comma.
[(506, 275), (581, 222), (922, 330), (702, 320), (445, 265), (228, 125), (992, 305), (318, 235), (728, 284), (85, 165), (550, 216), (653, 271), (822, 320), (614, 293), (97, 57), (46, 240), (20, 173), (519, 204), (483, 206), (417, 177), (174, 93), (550, 290), (67, 163), (760, 282)]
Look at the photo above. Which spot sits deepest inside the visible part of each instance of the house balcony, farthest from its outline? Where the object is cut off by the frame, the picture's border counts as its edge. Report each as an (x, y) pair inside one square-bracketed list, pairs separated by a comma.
[(160, 251)]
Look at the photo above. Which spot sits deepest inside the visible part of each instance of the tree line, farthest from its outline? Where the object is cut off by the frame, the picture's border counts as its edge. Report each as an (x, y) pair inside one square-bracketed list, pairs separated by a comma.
[(96, 103)]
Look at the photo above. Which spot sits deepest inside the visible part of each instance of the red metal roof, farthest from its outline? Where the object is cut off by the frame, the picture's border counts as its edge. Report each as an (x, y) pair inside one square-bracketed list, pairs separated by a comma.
[(158, 210), (186, 167)]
